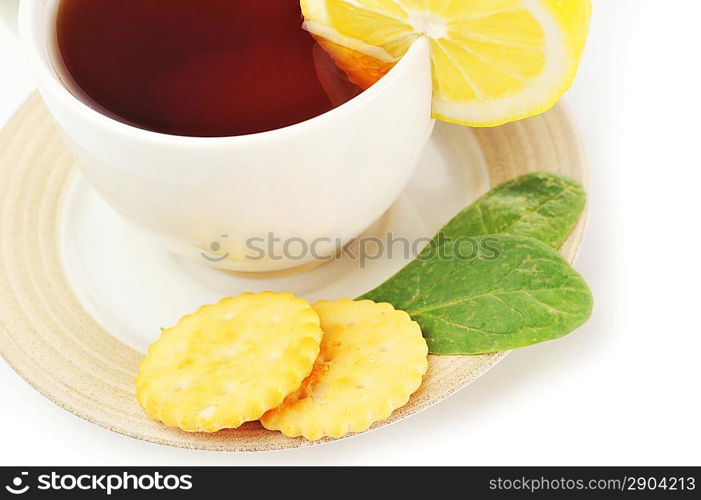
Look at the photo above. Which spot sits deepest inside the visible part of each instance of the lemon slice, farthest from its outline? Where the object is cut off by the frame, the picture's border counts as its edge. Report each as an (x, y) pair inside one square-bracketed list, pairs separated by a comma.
[(494, 61)]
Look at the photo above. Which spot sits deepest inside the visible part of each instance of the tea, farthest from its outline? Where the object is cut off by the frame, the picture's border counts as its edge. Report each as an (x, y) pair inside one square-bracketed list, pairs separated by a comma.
[(208, 68)]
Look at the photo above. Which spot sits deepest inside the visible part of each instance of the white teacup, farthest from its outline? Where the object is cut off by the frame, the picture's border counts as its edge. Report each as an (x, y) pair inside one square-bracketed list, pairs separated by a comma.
[(306, 189)]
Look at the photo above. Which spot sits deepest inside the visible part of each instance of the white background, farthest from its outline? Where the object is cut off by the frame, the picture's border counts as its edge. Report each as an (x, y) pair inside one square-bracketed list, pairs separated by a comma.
[(624, 390)]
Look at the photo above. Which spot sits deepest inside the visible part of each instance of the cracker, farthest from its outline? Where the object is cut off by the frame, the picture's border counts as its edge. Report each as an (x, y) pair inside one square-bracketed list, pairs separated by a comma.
[(230, 362), (372, 359)]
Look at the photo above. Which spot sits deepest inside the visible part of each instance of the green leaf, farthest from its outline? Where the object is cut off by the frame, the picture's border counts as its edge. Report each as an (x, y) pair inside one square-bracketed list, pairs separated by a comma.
[(491, 279), (516, 292), (541, 205)]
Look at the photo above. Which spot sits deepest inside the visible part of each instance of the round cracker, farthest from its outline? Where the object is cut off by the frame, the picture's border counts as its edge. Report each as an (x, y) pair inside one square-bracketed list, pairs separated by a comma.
[(230, 362), (372, 359)]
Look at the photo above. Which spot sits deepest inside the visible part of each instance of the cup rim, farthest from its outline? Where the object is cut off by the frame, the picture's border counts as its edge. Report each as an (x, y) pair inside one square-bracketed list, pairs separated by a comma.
[(30, 18)]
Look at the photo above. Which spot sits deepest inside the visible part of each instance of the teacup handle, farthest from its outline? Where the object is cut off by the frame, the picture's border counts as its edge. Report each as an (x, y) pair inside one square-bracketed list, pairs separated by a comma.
[(8, 14)]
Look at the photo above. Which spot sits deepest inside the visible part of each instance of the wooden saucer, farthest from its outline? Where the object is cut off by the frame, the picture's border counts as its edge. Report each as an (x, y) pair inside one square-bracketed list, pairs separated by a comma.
[(49, 338)]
